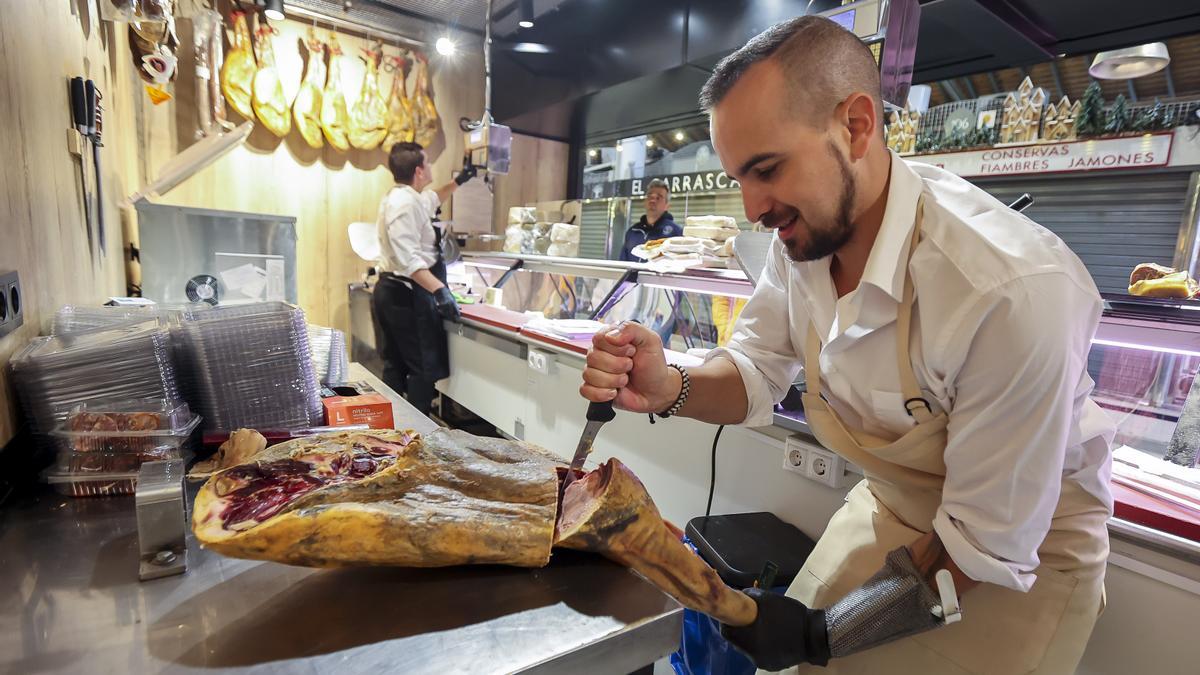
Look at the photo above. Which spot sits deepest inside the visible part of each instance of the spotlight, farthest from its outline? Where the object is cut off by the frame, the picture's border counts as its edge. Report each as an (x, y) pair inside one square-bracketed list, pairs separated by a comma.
[(618, 147), (649, 142), (679, 136), (526, 16), (274, 10), (592, 152), (445, 46)]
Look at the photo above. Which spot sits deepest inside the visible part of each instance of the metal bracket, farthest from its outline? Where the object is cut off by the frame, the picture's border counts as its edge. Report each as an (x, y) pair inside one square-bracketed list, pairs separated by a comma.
[(161, 519)]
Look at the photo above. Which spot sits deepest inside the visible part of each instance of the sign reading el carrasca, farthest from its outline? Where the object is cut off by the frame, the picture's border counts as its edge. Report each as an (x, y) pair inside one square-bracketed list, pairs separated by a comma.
[(1128, 152)]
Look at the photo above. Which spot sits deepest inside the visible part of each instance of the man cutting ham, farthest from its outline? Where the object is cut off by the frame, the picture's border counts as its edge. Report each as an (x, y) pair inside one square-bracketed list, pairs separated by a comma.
[(944, 341)]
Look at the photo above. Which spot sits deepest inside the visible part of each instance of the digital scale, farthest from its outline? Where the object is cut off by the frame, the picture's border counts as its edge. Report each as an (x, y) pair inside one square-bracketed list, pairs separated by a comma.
[(889, 28)]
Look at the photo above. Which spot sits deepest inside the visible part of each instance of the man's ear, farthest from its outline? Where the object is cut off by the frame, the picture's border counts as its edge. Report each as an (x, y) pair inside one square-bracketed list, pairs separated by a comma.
[(861, 119)]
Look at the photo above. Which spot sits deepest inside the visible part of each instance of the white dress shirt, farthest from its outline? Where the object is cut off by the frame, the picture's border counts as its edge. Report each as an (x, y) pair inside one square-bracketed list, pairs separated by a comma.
[(1003, 323), (407, 243)]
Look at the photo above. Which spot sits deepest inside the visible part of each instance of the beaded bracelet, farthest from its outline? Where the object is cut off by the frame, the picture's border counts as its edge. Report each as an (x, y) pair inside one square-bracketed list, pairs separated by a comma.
[(684, 390)]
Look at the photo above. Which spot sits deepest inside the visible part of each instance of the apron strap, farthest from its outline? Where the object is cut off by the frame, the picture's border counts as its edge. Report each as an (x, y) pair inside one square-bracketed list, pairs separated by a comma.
[(915, 403)]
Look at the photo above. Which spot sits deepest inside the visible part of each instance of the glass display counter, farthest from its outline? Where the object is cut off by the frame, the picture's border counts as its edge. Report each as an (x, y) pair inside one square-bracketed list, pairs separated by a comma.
[(695, 309)]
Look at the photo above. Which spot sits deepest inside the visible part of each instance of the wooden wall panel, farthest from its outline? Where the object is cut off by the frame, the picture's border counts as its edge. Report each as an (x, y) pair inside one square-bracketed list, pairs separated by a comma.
[(42, 236), (41, 223), (539, 174)]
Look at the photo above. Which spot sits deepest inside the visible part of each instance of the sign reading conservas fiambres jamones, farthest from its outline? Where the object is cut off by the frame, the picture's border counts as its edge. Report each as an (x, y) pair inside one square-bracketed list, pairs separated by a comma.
[(1130, 152)]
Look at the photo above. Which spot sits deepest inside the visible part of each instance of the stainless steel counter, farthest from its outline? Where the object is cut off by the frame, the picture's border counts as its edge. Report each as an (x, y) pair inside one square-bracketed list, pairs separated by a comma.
[(72, 602)]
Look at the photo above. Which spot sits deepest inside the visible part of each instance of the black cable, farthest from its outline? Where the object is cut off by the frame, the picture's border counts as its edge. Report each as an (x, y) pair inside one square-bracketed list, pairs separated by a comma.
[(712, 474)]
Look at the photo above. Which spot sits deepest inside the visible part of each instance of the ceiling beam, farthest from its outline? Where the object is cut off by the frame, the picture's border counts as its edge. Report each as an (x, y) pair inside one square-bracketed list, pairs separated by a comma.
[(1132, 91), (949, 91), (993, 81), (970, 86), (1170, 81)]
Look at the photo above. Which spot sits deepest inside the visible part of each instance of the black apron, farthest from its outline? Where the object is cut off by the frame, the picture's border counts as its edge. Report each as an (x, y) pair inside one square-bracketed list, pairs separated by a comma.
[(412, 331)]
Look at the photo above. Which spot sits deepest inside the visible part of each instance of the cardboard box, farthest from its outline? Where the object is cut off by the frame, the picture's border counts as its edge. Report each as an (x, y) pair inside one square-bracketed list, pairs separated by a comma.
[(371, 409)]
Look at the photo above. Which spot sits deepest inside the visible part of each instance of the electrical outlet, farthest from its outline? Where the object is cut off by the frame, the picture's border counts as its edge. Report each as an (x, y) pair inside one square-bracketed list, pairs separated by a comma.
[(540, 361), (12, 311), (825, 467), (794, 454)]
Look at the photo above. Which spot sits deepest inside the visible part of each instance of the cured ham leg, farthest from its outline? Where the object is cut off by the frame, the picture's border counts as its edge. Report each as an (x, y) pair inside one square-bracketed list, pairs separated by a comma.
[(307, 108), (396, 498), (237, 73), (334, 118), (609, 512), (269, 102), (384, 498)]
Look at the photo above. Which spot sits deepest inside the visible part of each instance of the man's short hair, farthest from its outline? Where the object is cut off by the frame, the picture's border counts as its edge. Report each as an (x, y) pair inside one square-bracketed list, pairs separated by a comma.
[(403, 160), (659, 183), (823, 63)]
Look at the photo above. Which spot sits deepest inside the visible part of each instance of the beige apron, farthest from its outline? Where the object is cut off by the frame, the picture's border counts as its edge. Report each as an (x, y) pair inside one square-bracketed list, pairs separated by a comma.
[(1002, 631)]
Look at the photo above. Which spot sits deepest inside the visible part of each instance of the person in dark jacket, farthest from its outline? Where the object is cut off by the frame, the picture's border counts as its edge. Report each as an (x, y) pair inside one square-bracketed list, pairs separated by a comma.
[(656, 224)]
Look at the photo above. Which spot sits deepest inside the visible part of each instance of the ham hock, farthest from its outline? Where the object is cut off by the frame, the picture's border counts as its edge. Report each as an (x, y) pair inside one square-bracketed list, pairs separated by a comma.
[(389, 497)]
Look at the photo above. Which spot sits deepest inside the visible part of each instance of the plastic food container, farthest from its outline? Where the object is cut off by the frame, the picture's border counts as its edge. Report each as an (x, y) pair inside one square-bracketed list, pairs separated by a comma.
[(75, 462), (93, 485), (146, 427)]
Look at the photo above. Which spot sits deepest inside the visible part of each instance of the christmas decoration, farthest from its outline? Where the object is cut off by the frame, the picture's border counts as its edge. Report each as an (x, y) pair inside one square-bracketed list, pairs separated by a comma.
[(902, 131), (1059, 123), (1090, 120), (1022, 115), (1118, 116)]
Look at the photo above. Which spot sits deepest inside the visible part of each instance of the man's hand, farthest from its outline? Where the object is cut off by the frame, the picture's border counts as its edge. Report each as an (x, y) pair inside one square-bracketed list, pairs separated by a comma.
[(446, 306), (627, 366), (785, 633)]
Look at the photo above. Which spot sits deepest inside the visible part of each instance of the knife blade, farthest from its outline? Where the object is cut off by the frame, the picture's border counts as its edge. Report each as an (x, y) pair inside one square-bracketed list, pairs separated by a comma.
[(598, 414)]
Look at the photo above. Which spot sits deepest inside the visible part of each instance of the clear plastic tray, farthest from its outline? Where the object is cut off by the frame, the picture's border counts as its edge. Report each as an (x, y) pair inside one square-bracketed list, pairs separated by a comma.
[(93, 484), (132, 426), (100, 462)]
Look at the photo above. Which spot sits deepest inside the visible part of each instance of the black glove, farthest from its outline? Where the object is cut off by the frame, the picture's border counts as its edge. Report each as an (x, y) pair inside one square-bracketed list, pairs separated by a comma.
[(468, 172), (446, 306), (785, 633)]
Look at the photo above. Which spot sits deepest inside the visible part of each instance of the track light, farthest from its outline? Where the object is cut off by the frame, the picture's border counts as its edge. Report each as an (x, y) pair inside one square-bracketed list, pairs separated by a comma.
[(445, 46), (679, 136), (649, 142), (274, 10), (526, 14), (592, 152)]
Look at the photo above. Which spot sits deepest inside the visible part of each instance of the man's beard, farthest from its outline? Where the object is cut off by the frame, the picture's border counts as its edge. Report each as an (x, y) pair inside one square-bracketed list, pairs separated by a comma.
[(817, 241)]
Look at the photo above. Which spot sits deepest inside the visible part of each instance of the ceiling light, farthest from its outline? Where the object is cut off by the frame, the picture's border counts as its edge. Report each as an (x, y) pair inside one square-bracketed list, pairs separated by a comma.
[(274, 10), (1131, 62), (531, 48), (618, 147), (592, 152), (526, 20), (679, 136), (445, 46), (649, 142)]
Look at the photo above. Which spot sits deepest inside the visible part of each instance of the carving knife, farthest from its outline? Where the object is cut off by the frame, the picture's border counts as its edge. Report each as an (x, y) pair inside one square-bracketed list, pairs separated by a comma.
[(597, 415)]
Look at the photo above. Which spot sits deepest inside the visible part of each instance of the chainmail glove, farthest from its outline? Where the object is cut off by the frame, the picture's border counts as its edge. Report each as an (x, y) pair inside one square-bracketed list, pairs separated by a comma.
[(895, 603)]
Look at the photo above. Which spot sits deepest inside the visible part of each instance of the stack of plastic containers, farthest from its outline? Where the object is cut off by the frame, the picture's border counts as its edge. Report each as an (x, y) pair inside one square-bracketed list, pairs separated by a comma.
[(101, 446), (329, 354), (250, 366), (54, 374)]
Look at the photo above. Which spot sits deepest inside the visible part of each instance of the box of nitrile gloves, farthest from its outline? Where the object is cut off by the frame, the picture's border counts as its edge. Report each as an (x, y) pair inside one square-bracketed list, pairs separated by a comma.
[(357, 405)]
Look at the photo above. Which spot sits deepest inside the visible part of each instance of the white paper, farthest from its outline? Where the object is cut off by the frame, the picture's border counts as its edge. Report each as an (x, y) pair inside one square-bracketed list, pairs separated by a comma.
[(275, 278), (248, 280)]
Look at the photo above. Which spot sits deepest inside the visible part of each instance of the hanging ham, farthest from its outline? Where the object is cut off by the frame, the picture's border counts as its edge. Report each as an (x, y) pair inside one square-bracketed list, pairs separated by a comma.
[(307, 108), (237, 74), (334, 119), (269, 102), (400, 109), (388, 497), (369, 117), (425, 114)]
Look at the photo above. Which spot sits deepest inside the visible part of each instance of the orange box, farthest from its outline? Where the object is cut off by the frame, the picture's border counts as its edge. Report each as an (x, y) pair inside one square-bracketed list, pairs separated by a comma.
[(370, 409)]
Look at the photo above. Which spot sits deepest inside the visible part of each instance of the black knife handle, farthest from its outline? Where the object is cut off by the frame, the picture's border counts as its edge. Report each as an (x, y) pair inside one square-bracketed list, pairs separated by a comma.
[(601, 412), (78, 104)]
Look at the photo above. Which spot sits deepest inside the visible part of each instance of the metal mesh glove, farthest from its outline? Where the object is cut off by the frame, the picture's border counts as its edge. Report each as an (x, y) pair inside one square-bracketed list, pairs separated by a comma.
[(893, 604), (446, 306), (785, 633)]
